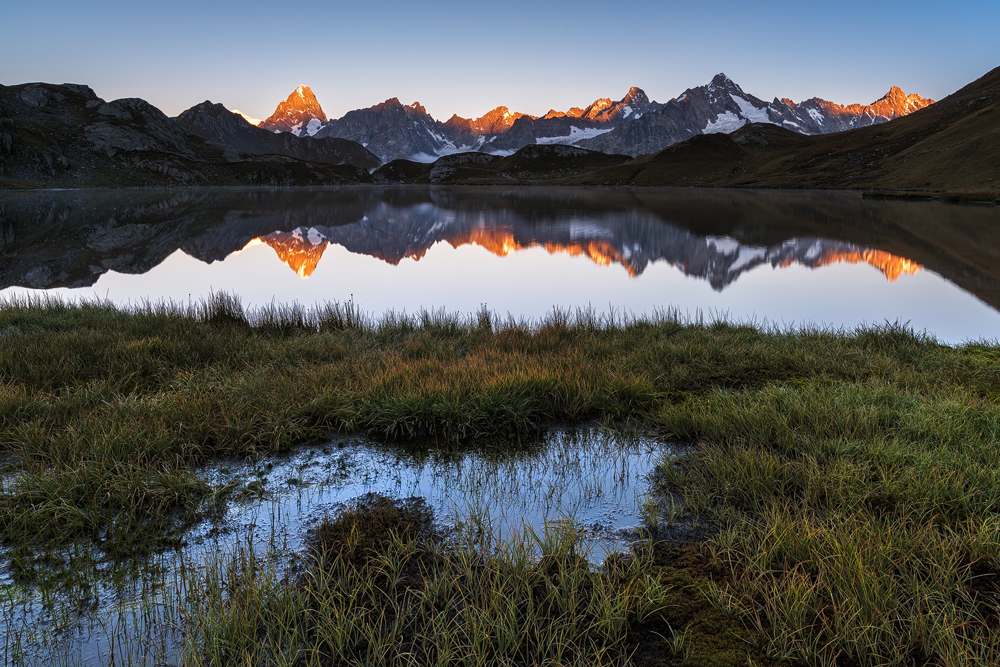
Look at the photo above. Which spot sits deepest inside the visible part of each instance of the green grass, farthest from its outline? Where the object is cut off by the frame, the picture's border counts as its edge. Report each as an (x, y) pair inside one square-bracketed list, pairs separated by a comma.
[(853, 477), (381, 588)]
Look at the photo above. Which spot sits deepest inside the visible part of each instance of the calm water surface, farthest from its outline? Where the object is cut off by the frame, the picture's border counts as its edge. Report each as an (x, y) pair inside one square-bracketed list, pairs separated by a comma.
[(824, 259)]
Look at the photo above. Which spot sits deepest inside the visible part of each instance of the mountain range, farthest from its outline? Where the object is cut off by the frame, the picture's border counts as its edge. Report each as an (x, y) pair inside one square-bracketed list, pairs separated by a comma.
[(952, 146), (65, 136), (632, 126)]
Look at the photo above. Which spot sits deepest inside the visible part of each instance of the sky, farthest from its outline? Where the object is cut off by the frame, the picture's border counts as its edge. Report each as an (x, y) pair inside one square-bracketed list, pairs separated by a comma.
[(467, 58)]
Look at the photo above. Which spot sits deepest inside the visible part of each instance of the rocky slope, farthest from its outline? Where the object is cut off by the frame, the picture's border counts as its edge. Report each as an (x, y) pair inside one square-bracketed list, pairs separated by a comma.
[(391, 130), (722, 107), (300, 114), (217, 124), (950, 146), (66, 136)]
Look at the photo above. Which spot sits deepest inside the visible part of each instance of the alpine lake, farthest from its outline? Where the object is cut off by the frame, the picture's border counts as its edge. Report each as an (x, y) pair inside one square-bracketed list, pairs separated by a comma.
[(778, 261)]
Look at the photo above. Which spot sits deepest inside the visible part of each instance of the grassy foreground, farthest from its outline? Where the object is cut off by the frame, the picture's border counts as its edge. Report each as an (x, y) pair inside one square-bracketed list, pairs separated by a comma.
[(854, 478)]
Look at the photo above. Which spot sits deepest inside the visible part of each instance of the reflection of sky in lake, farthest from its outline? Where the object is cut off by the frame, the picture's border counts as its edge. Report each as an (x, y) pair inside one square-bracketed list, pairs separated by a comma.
[(528, 283)]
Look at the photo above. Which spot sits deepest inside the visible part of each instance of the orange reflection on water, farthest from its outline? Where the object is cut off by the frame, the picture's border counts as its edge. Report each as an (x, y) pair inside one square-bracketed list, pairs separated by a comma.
[(600, 251), (891, 266), (299, 252)]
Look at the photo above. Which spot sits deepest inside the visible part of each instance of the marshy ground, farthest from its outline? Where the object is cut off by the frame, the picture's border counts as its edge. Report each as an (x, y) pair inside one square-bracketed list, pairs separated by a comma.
[(845, 486)]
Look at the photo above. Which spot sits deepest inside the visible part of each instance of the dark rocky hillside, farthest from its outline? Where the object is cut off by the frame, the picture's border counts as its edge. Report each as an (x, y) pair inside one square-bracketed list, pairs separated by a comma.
[(66, 136)]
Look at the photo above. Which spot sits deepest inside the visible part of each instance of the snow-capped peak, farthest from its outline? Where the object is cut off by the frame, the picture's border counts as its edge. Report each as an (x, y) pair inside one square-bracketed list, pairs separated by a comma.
[(296, 112)]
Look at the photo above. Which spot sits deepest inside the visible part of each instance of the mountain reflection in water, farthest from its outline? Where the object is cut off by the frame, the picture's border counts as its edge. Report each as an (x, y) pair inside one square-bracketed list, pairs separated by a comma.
[(71, 239), (720, 260)]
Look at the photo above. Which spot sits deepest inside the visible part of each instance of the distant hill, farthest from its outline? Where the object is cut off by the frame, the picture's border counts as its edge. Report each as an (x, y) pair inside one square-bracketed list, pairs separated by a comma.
[(950, 146), (66, 136)]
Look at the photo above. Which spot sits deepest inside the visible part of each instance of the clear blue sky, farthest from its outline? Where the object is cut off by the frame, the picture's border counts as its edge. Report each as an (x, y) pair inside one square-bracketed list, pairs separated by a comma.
[(467, 58)]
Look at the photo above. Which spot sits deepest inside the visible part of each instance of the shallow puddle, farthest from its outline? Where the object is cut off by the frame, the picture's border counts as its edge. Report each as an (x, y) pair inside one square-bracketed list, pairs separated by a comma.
[(595, 477)]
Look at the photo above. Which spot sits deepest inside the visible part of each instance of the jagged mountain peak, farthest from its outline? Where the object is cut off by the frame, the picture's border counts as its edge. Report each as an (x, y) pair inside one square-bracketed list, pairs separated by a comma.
[(720, 80), (497, 120), (635, 95), (300, 113)]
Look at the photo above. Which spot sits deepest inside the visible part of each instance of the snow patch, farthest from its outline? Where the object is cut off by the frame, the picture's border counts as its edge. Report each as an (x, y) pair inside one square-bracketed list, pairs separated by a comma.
[(423, 157), (726, 123), (313, 126), (817, 116), (575, 135), (750, 112), (682, 97)]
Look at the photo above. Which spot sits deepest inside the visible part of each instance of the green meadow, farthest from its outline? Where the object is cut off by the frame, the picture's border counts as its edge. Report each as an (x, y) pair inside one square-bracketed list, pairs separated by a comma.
[(837, 493)]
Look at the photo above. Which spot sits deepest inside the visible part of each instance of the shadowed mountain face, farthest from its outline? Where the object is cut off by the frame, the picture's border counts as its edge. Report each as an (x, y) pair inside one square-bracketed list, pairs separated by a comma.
[(71, 238)]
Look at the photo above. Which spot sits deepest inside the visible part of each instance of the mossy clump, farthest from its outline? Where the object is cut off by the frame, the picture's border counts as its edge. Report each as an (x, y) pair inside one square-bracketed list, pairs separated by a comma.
[(369, 525)]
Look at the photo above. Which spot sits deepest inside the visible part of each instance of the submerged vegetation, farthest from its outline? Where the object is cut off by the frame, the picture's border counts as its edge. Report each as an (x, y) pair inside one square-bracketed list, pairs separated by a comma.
[(852, 480)]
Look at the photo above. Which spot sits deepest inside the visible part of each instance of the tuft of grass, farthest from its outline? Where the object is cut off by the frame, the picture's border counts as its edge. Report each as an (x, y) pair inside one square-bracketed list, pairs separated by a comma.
[(389, 593), (859, 521)]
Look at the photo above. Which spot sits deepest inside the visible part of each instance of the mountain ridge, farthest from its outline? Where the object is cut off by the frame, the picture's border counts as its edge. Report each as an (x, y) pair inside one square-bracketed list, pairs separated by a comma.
[(949, 146), (633, 125)]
